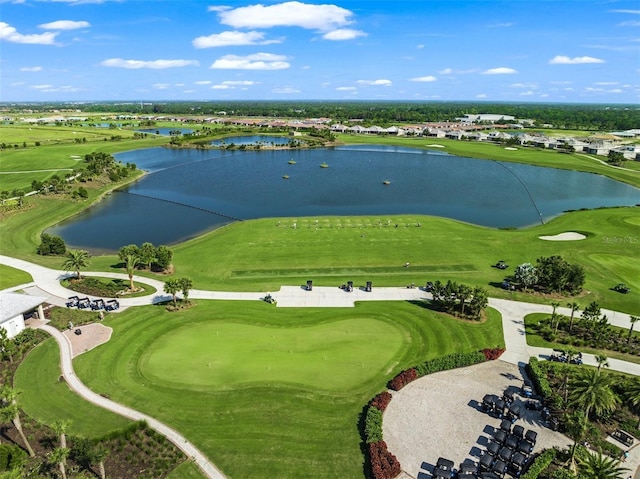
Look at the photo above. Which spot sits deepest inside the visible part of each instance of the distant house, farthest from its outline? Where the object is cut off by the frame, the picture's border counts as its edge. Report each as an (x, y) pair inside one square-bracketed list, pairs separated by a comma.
[(14, 307), (486, 117)]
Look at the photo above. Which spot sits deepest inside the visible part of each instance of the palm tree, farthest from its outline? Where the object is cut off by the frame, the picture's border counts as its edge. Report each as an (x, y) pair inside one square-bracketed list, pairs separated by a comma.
[(130, 262), (59, 457), (60, 428), (575, 307), (9, 411), (99, 455), (600, 466), (76, 260), (591, 391), (464, 293), (576, 424), (601, 359), (633, 320), (172, 286), (185, 285), (633, 396)]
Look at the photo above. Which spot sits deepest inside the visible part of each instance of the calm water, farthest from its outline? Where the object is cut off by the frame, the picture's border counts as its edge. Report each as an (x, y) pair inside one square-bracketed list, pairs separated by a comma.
[(267, 140), (187, 192)]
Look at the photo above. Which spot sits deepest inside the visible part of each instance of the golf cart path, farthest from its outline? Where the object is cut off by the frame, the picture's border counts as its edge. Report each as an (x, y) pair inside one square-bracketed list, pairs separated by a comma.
[(206, 466)]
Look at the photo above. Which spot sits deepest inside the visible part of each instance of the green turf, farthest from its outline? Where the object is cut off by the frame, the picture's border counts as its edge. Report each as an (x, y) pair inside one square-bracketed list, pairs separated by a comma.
[(258, 425), (186, 470), (335, 356), (13, 277), (359, 249), (47, 399), (534, 339)]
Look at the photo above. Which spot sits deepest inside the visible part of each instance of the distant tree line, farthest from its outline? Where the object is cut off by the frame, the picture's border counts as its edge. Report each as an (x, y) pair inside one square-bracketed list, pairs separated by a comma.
[(593, 117)]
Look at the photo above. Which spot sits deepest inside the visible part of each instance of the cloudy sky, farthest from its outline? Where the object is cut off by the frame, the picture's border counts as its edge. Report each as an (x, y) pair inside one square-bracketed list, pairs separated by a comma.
[(580, 51)]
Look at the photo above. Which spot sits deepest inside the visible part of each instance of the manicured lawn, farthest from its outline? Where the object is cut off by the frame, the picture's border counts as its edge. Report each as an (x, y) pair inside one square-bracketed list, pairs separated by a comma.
[(47, 399), (12, 277), (261, 256), (283, 421), (534, 339), (186, 470)]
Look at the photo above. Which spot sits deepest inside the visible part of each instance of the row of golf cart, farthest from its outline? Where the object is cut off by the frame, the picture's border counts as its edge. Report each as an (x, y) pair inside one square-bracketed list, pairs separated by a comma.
[(561, 356), (94, 305), (509, 451)]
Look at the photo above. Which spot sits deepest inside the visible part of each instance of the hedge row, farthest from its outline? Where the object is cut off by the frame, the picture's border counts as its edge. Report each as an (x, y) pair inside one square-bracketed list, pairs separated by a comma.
[(540, 464), (402, 379), (384, 465), (538, 377), (373, 425)]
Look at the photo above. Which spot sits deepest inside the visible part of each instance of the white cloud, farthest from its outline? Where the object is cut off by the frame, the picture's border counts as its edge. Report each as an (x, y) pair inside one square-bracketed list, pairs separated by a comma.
[(501, 25), (288, 14), (451, 71), (218, 8), (10, 34), (527, 93), (257, 61), (225, 39), (564, 60), (31, 69), (161, 86), (428, 78), (346, 88), (605, 83), (202, 82), (343, 34), (499, 71), (286, 90), (630, 23), (381, 82), (420, 46), (64, 25), (615, 90), (46, 88), (633, 12), (446, 71), (481, 95), (42, 87), (220, 87), (524, 85), (227, 84), (153, 64)]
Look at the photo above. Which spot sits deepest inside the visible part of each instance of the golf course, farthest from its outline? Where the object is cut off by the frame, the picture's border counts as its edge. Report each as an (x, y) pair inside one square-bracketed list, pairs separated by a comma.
[(279, 392)]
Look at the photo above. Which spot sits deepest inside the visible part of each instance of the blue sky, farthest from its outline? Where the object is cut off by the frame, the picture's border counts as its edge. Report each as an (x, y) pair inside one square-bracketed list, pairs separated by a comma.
[(577, 51)]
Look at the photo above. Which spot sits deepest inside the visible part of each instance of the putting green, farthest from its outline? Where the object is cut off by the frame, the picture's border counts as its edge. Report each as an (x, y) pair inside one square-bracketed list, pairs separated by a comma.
[(334, 356)]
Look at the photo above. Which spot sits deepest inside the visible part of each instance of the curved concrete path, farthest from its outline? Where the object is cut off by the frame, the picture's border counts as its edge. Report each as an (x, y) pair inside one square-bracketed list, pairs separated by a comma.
[(84, 392)]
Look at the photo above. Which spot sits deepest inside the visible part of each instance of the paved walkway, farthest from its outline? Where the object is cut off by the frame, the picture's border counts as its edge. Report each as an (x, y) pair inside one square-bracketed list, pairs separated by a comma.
[(47, 283)]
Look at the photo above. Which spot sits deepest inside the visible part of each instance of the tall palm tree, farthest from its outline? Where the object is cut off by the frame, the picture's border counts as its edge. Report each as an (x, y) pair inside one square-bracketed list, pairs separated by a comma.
[(576, 424), (77, 259), (9, 411), (172, 286), (61, 428), (633, 396), (130, 262), (601, 359), (591, 391), (600, 466), (575, 307), (59, 456), (100, 454), (633, 320)]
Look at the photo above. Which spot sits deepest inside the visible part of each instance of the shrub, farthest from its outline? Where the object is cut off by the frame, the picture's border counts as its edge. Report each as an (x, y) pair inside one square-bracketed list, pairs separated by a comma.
[(373, 425), (51, 245), (384, 465), (11, 457), (402, 379), (491, 354), (538, 377), (450, 361), (381, 401), (540, 464)]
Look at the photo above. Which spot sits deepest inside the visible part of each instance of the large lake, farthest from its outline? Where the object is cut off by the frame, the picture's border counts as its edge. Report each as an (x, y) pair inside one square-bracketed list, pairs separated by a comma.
[(187, 192)]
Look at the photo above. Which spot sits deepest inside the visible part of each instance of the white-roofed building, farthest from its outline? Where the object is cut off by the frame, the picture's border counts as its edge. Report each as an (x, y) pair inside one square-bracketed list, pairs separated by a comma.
[(14, 307)]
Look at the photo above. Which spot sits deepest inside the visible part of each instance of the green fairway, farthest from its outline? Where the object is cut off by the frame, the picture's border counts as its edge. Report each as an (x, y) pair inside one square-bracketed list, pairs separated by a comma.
[(334, 356), (256, 422), (13, 277), (262, 255), (47, 399)]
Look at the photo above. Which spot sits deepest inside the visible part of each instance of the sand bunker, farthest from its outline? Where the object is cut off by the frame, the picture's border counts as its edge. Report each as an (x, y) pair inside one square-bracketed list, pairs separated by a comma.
[(510, 148), (568, 236), (436, 146)]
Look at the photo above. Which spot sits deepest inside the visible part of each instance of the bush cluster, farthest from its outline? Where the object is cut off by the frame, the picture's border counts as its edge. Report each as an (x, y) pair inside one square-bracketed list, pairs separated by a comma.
[(373, 425), (402, 379), (540, 464), (381, 401), (51, 245), (539, 378), (384, 464)]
